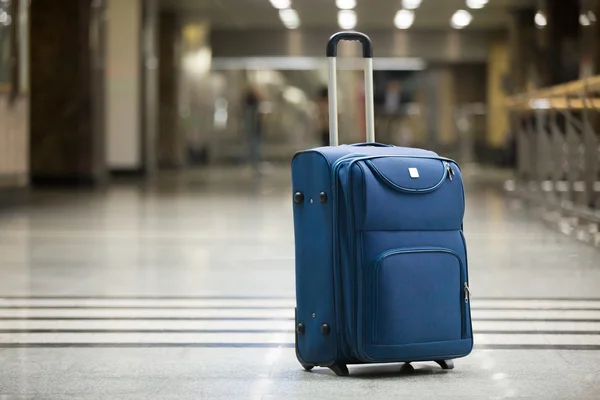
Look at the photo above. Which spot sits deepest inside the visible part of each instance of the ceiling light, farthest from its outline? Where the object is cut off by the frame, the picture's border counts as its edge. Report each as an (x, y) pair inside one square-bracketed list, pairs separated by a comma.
[(591, 16), (584, 20), (346, 19), (404, 19), (476, 4), (411, 4), (289, 18), (460, 19), (281, 4), (540, 19), (345, 4)]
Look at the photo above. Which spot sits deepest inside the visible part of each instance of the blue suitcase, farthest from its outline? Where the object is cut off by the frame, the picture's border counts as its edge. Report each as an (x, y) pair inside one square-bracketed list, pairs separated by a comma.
[(381, 260)]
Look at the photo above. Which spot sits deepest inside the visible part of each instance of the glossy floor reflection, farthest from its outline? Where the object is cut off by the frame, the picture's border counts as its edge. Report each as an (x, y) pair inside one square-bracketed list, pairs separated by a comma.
[(184, 289)]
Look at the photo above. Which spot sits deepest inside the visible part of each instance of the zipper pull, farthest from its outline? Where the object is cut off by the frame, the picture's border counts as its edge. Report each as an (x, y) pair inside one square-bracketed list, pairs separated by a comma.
[(450, 171), (467, 292)]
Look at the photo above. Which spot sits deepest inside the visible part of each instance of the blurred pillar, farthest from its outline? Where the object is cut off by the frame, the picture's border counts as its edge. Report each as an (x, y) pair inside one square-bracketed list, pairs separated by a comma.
[(562, 41), (66, 53), (590, 38), (445, 103), (525, 55), (150, 84), (196, 101), (124, 141), (169, 150), (14, 102), (498, 72)]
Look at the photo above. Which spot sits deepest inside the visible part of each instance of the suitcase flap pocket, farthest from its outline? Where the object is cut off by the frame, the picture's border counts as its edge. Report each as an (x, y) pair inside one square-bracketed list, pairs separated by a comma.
[(418, 297), (404, 193), (408, 174)]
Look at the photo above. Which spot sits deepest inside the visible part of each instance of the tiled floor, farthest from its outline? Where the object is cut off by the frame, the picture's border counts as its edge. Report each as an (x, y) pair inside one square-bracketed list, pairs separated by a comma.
[(183, 289)]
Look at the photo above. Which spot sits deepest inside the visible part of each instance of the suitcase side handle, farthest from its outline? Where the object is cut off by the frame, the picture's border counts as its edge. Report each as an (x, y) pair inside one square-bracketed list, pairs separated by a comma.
[(367, 48)]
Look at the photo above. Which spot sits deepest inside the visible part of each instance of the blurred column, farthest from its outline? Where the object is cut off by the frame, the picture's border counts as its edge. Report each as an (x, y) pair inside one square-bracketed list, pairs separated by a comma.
[(14, 100), (150, 84), (67, 56), (169, 150), (196, 102), (562, 41), (441, 106), (124, 83), (525, 54), (590, 38), (497, 116), (187, 100)]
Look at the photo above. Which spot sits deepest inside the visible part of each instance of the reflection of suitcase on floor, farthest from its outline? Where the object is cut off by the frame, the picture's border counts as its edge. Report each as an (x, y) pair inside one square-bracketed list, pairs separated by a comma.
[(381, 262)]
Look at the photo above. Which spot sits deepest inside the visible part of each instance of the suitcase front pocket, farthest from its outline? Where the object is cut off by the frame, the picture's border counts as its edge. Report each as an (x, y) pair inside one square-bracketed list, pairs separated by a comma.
[(418, 296)]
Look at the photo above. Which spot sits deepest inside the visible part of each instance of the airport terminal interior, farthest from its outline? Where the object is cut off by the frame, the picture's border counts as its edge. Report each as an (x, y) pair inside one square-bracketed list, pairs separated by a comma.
[(147, 237)]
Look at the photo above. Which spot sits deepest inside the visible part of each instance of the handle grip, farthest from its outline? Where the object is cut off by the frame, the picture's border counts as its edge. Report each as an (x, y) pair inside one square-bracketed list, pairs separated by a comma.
[(367, 46), (371, 144)]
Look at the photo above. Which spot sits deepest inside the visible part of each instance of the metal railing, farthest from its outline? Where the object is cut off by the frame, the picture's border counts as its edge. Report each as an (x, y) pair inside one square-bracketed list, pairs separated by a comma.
[(557, 131)]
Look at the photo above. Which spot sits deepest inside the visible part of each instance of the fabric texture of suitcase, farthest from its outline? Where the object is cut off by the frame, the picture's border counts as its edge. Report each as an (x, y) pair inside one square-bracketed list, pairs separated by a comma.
[(381, 259)]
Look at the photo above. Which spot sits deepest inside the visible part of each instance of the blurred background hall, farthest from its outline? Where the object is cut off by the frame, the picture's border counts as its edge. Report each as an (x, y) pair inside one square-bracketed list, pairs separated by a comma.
[(146, 233)]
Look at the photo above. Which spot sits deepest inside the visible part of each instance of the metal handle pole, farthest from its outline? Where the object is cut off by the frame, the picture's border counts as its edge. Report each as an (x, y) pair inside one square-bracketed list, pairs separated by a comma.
[(332, 92), (369, 100), (332, 95)]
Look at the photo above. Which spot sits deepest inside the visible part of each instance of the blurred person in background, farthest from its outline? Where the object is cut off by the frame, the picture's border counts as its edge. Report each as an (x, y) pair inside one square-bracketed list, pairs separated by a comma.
[(253, 126), (393, 98), (323, 115)]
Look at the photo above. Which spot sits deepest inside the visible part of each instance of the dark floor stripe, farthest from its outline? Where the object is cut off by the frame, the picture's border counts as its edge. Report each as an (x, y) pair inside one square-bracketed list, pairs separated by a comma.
[(533, 332), (592, 347), (134, 297), (49, 307), (269, 345), (536, 319), (242, 331), (144, 345), (193, 297), (223, 331), (45, 307), (25, 318)]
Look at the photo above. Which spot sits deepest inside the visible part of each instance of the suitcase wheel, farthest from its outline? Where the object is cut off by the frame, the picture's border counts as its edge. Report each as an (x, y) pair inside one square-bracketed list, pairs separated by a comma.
[(445, 364), (340, 369), (407, 368), (307, 367)]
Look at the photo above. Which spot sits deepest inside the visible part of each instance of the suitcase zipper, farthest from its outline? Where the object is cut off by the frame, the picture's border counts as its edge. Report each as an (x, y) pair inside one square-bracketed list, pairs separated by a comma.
[(467, 292), (450, 171)]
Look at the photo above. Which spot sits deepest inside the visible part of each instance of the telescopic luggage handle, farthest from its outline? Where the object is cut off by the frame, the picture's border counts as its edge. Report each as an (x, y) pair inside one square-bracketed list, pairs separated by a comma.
[(367, 50)]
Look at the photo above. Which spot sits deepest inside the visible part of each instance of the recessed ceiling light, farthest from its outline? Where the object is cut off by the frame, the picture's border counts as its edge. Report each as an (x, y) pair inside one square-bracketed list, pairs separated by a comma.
[(281, 4), (476, 4), (289, 18), (347, 19), (411, 4), (345, 4), (540, 19), (460, 19), (584, 20), (404, 19)]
